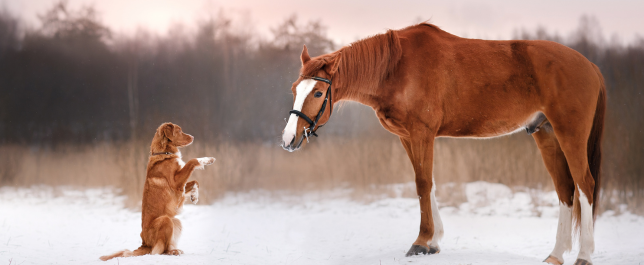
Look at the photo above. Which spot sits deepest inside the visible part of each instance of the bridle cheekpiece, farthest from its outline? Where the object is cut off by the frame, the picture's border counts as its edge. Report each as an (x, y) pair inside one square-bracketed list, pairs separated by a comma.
[(328, 99)]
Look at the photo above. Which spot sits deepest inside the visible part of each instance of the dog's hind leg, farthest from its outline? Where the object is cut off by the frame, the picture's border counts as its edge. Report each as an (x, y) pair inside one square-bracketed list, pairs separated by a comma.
[(164, 228), (140, 251), (172, 249)]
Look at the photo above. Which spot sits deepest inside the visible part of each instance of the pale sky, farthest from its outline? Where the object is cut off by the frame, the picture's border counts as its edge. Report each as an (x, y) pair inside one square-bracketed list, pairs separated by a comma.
[(349, 20)]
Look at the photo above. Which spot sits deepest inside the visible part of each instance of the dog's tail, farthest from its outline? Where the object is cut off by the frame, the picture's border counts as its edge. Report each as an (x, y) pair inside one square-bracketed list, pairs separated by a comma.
[(126, 253)]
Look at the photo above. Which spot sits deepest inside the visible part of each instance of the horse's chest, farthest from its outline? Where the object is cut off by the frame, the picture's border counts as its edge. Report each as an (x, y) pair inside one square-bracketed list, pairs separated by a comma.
[(393, 121)]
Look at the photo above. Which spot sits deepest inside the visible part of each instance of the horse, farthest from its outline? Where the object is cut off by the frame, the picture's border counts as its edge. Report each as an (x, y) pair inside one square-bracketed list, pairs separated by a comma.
[(423, 83)]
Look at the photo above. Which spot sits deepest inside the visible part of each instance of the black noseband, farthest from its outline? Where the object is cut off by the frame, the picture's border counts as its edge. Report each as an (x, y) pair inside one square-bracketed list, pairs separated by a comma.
[(328, 99)]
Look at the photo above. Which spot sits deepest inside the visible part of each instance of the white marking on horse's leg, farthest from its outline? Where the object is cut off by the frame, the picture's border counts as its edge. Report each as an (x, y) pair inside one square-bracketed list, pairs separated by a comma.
[(303, 89), (438, 223), (564, 232), (586, 238)]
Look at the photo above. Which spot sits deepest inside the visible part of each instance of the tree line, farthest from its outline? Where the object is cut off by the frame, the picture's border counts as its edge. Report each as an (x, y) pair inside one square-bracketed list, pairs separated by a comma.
[(73, 80)]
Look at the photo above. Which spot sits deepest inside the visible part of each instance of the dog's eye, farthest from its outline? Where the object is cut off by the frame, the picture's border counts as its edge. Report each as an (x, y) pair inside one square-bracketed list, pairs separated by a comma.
[(318, 94)]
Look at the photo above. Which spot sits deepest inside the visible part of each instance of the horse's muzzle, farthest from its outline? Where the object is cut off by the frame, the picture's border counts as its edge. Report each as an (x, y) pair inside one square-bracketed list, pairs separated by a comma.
[(292, 146)]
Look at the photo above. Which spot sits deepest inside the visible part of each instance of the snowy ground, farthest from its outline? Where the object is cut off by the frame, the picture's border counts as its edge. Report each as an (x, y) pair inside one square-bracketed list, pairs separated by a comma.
[(496, 226)]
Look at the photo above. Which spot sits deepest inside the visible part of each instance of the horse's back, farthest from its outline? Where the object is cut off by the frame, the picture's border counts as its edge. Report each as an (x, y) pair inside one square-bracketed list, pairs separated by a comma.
[(488, 88)]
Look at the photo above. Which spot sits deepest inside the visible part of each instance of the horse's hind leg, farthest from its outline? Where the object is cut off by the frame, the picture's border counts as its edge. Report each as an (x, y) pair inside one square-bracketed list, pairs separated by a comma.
[(557, 166), (573, 138)]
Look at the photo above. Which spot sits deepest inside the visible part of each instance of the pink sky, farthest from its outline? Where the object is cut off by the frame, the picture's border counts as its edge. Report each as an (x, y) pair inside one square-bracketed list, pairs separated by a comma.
[(349, 20)]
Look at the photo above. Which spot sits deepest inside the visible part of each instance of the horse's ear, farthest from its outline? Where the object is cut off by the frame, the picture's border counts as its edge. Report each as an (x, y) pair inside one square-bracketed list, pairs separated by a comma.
[(333, 63), (305, 55)]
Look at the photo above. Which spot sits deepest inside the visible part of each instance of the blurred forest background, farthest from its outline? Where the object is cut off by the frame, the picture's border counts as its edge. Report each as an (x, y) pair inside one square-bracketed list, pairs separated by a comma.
[(79, 105)]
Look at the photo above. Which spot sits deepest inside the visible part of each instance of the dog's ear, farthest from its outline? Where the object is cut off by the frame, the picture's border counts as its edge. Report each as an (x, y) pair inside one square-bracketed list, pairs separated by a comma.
[(169, 131), (161, 137)]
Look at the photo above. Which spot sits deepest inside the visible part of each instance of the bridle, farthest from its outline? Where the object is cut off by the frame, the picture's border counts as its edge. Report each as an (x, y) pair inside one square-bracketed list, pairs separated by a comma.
[(327, 100)]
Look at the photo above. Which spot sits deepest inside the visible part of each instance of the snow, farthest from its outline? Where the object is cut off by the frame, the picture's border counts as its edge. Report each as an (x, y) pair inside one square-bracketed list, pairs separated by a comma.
[(485, 198), (44, 225)]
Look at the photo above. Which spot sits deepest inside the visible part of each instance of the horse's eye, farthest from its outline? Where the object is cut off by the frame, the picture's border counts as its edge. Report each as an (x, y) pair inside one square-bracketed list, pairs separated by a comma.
[(318, 94)]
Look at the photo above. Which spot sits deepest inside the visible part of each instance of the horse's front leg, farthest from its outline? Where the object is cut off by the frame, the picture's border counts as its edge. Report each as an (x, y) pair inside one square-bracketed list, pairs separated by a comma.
[(421, 154)]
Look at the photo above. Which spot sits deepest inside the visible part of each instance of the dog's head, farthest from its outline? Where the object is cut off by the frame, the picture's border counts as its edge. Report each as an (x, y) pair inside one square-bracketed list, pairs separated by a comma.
[(169, 137)]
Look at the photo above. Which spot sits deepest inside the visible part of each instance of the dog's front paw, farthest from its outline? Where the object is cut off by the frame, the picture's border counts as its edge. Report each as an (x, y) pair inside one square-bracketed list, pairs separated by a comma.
[(194, 194), (204, 161)]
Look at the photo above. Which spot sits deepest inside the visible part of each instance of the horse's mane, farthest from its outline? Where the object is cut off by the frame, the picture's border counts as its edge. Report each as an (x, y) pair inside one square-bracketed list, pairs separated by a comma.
[(364, 63)]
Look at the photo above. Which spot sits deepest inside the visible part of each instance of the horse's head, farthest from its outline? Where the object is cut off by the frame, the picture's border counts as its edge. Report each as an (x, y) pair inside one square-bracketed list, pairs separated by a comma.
[(313, 99)]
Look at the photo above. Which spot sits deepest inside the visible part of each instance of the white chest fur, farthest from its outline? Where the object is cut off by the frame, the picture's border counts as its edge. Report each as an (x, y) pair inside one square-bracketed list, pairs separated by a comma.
[(179, 160)]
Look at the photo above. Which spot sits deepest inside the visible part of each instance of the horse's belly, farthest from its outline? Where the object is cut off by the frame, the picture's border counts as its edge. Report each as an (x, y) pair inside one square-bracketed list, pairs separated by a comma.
[(480, 132), (485, 127), (498, 133)]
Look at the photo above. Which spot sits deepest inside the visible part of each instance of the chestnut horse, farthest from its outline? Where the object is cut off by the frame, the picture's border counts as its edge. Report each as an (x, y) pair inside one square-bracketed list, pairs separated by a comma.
[(424, 83)]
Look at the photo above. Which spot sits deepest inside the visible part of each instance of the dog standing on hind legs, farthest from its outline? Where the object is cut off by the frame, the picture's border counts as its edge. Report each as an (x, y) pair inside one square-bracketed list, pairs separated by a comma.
[(165, 191)]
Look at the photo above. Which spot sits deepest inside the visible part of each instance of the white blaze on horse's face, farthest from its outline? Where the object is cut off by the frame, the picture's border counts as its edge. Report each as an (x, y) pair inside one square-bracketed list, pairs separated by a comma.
[(302, 90)]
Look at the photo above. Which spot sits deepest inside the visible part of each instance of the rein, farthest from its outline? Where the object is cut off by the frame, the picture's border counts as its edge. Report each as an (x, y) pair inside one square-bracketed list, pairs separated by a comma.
[(328, 99)]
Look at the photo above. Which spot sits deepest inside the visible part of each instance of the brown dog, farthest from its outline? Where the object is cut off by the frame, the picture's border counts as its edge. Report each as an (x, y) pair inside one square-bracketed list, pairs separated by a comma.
[(166, 189)]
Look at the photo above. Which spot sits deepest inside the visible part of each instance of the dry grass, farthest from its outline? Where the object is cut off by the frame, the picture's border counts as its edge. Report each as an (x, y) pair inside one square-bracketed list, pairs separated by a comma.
[(364, 165)]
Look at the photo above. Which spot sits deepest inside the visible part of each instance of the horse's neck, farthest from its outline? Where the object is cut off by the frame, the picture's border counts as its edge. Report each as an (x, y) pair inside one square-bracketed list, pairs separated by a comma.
[(362, 96), (365, 65), (351, 90), (361, 93)]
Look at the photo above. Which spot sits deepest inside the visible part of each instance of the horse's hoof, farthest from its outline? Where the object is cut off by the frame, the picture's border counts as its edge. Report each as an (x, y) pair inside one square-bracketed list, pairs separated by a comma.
[(552, 260), (434, 250), (418, 249), (583, 262)]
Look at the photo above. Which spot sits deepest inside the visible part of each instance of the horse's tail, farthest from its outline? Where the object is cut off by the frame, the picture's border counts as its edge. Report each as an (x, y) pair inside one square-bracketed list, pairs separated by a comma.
[(595, 148), (126, 253), (595, 141)]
